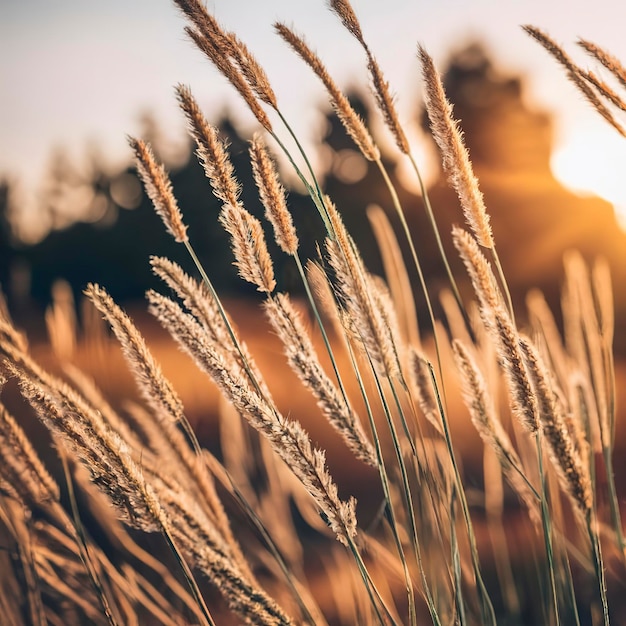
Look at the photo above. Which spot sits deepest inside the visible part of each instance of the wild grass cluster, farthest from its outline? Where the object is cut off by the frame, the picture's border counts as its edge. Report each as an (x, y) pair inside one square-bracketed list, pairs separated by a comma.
[(143, 526)]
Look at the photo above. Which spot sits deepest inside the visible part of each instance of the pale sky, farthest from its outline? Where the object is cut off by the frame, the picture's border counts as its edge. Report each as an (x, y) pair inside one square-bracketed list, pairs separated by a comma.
[(80, 71)]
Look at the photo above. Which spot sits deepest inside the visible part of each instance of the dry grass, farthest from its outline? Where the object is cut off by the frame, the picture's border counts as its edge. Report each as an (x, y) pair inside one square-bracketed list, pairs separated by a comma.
[(143, 526)]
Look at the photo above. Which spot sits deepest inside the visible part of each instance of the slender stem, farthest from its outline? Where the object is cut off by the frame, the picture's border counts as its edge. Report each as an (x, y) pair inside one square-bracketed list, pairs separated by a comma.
[(488, 613), (267, 538), (193, 585), (607, 448), (598, 563), (367, 579), (379, 455), (503, 283), (613, 501), (444, 257), (393, 521), (456, 561), (384, 479), (371, 587), (318, 190), (406, 490), (314, 192), (81, 542), (418, 267), (320, 325), (569, 584), (547, 530)]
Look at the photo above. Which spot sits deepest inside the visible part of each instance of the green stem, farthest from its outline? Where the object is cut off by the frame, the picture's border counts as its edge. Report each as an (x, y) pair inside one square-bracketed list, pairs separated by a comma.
[(373, 592), (444, 257), (384, 479), (504, 284), (456, 562), (301, 150), (488, 614), (598, 563), (81, 542), (368, 581), (547, 530), (406, 490), (269, 542), (613, 501), (607, 450), (320, 325), (405, 227), (191, 581), (569, 586), (314, 192), (228, 325)]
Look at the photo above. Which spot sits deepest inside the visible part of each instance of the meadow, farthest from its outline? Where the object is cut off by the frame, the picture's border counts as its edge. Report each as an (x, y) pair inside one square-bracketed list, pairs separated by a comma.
[(123, 517)]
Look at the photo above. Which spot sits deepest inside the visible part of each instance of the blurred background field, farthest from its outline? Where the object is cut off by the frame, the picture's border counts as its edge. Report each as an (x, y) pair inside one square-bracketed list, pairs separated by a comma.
[(72, 210), (536, 219)]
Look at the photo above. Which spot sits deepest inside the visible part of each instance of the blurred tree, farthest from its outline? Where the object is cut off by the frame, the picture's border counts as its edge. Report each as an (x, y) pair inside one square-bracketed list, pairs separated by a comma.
[(6, 236), (535, 219)]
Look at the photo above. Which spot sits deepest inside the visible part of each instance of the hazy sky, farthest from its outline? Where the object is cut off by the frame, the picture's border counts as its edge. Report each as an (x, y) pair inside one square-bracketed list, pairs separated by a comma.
[(80, 71)]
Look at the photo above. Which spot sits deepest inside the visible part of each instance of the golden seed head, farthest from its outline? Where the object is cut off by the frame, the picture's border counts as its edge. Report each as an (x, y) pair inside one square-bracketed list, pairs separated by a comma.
[(159, 189), (272, 195)]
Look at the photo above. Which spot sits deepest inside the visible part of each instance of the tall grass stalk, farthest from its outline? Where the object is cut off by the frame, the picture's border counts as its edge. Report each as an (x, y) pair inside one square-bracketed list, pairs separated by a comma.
[(488, 614), (154, 475), (547, 531)]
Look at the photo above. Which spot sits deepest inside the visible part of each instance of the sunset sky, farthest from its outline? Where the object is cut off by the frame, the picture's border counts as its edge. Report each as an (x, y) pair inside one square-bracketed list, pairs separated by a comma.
[(79, 72)]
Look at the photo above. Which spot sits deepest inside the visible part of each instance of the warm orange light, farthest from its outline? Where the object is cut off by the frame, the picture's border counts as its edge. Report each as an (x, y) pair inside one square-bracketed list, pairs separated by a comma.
[(593, 160)]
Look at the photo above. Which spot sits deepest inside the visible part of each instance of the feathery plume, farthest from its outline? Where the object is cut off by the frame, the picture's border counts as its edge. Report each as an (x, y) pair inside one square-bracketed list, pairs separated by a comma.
[(499, 324), (211, 150), (216, 52), (570, 469), (252, 71), (200, 302), (288, 438), (231, 57), (195, 296), (609, 61), (521, 393), (354, 125), (21, 471), (604, 89), (574, 74), (249, 247), (272, 195), (366, 320), (159, 189), (423, 385), (303, 359), (484, 417), (148, 504), (231, 49), (244, 597), (455, 158), (348, 18), (162, 397), (105, 455), (478, 268), (381, 90), (155, 388)]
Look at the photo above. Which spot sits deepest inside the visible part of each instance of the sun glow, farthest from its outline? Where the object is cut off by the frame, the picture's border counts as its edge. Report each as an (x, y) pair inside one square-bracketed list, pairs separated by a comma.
[(593, 160)]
